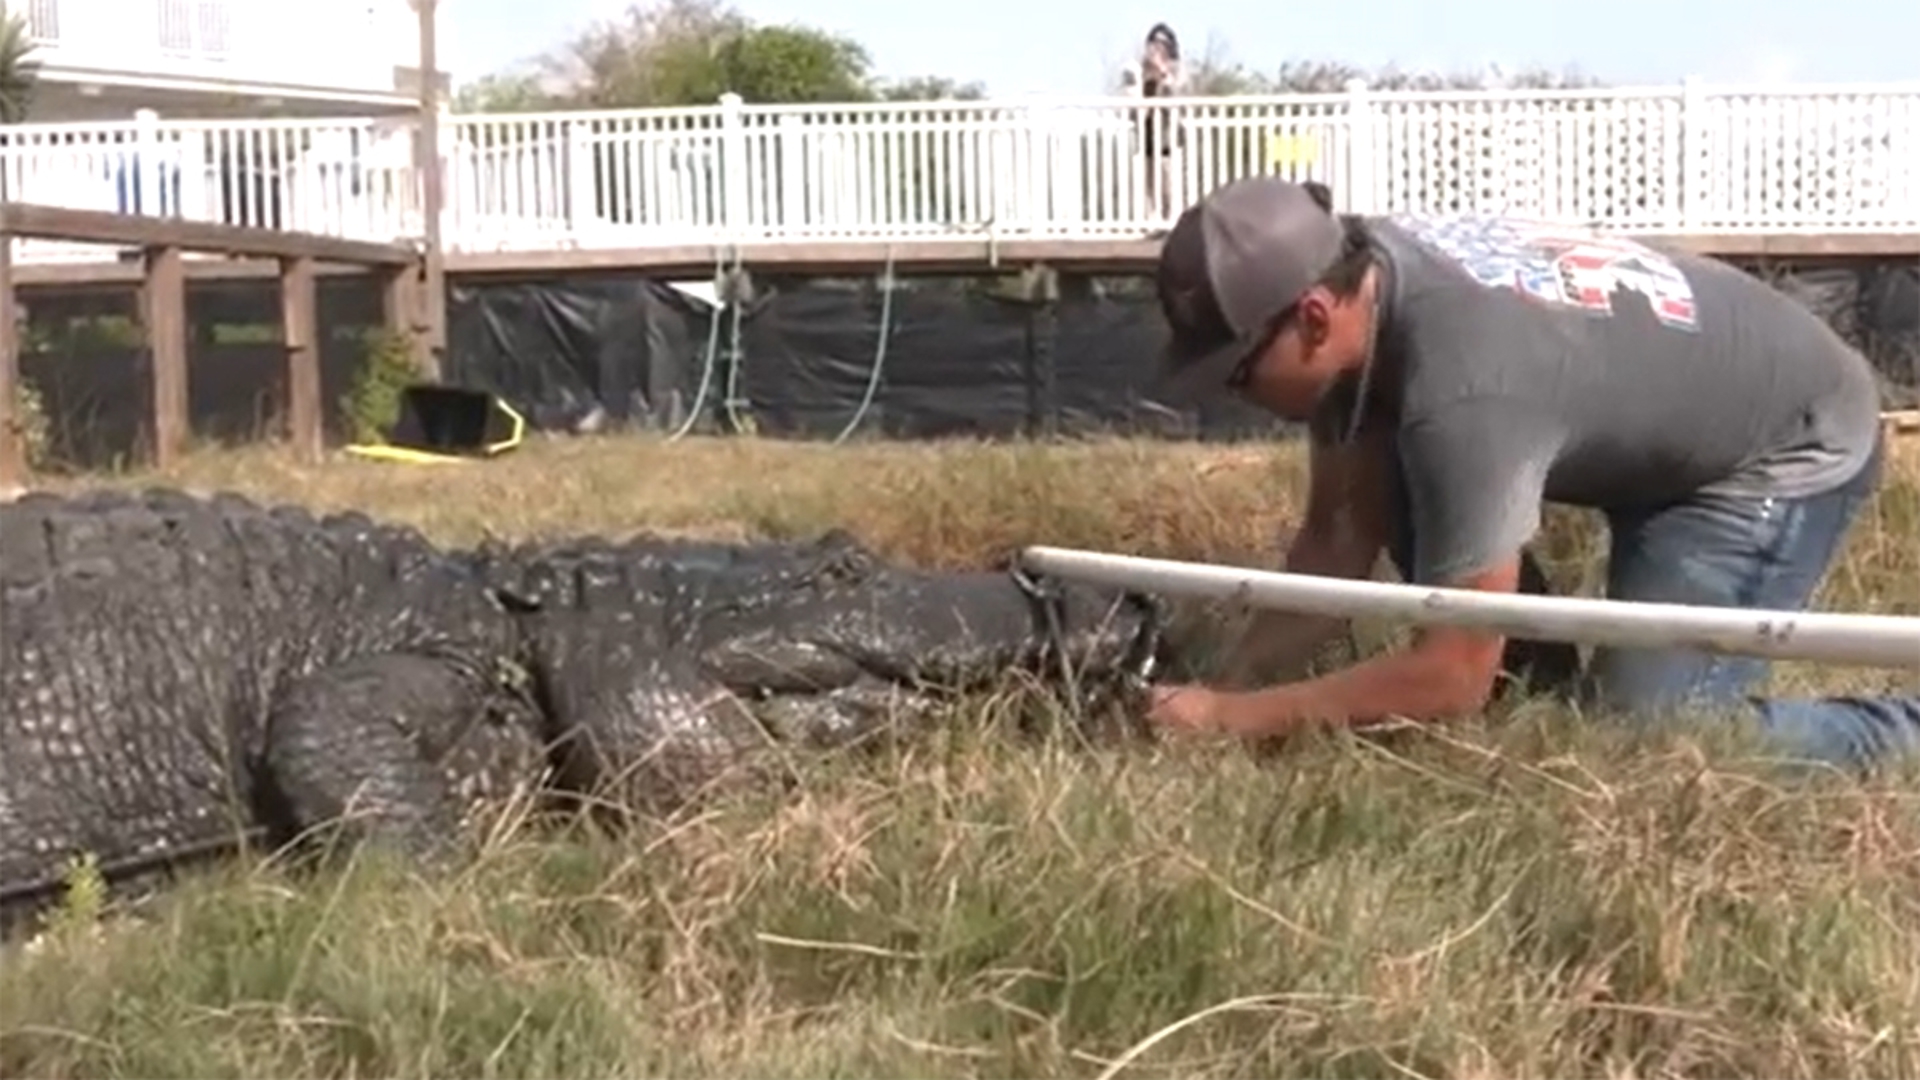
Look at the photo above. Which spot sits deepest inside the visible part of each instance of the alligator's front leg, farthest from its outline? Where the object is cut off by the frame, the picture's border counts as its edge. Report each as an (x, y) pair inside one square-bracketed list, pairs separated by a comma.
[(814, 693), (638, 725), (394, 749), (859, 714)]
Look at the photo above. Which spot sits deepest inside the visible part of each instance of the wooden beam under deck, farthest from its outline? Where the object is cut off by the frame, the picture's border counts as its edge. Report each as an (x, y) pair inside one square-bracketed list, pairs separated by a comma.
[(160, 277), (32, 221), (835, 257)]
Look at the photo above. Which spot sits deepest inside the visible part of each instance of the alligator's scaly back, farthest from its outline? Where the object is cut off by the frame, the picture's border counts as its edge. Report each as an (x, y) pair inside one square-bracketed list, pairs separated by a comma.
[(614, 633), (676, 662), (178, 672)]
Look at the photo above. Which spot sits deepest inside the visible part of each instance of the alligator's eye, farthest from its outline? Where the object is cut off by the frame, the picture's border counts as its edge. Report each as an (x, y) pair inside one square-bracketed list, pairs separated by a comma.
[(517, 603)]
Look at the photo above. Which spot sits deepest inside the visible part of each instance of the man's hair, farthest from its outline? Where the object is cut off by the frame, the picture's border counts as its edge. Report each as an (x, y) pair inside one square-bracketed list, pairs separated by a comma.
[(1347, 406)]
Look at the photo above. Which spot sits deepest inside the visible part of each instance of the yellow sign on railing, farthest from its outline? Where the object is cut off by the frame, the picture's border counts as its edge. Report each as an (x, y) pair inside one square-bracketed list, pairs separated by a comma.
[(1291, 149)]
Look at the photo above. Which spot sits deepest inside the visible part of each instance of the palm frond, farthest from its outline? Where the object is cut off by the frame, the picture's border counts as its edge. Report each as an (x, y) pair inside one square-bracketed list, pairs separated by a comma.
[(18, 70)]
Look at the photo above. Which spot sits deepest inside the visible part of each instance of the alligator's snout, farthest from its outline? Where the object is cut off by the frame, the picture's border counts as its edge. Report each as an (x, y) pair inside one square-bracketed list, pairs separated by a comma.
[(1106, 635)]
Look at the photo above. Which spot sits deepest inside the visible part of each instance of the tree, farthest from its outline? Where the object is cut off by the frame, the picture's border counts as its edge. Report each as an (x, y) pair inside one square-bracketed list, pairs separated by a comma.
[(1476, 157), (1213, 73), (930, 88), (689, 52), (1473, 158), (25, 411), (504, 92), (19, 72), (669, 53), (792, 64), (1332, 77)]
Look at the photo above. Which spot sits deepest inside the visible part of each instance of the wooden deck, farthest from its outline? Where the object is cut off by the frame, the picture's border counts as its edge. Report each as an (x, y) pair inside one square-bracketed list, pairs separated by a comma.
[(160, 277), (931, 256)]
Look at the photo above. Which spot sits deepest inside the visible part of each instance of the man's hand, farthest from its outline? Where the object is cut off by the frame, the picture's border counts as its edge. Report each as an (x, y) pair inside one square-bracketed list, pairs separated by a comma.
[(1184, 710), (1192, 710), (1449, 672)]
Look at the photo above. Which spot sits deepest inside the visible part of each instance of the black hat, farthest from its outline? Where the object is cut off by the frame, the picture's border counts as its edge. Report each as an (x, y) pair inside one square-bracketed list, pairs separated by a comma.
[(1232, 264)]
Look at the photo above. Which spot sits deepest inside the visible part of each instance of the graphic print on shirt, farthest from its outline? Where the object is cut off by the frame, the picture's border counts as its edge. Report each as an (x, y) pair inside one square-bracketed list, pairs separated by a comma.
[(1560, 264)]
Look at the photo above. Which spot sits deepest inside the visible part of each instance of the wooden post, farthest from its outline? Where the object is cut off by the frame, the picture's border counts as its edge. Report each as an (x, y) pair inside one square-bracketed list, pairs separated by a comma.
[(13, 451), (432, 193), (163, 306), (401, 303), (163, 310), (299, 320)]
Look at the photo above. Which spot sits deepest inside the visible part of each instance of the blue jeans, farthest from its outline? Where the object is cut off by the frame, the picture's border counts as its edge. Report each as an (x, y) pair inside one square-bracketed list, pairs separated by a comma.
[(1723, 552)]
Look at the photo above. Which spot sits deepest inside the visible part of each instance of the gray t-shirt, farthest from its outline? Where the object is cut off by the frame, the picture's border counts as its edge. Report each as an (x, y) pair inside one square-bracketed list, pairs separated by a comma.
[(1529, 362)]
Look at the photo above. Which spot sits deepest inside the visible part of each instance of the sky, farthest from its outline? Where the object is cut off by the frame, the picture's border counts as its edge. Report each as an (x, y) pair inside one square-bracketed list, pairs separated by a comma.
[(1077, 46)]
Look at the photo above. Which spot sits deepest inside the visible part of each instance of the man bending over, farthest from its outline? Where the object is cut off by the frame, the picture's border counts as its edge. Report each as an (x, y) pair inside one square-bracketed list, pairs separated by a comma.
[(1456, 373)]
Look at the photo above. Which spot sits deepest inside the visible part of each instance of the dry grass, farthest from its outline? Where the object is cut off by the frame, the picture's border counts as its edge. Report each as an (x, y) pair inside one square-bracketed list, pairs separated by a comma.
[(1519, 897)]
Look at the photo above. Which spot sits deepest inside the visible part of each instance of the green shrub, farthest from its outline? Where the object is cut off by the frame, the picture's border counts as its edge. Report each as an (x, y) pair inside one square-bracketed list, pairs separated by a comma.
[(372, 403), (36, 430)]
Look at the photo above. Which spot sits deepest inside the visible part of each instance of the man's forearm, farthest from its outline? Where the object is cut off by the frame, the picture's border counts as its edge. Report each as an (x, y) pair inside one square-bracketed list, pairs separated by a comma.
[(1276, 641), (1346, 524)]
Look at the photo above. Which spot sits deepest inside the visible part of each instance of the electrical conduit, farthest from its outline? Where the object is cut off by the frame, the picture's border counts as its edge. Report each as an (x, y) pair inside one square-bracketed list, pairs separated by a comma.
[(879, 352), (713, 350)]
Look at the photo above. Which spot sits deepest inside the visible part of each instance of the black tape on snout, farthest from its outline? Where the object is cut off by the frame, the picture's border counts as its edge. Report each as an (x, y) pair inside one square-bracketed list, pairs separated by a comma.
[(1138, 665), (1145, 654), (1049, 612)]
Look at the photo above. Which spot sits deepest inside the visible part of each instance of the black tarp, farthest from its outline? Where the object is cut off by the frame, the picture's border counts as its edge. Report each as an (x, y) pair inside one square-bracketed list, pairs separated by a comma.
[(963, 357), (1876, 307), (99, 403), (959, 360), (615, 350), (97, 393), (1890, 327)]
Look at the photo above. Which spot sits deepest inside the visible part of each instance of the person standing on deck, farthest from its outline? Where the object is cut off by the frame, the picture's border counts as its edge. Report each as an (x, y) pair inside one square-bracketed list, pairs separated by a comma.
[(1159, 74), (1457, 372)]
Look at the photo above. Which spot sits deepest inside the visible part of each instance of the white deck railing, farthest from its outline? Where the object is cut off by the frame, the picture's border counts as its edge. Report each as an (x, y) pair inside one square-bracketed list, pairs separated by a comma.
[(1655, 159)]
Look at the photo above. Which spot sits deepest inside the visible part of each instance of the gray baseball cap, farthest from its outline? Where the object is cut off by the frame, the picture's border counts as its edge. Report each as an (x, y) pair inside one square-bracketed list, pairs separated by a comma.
[(1232, 265)]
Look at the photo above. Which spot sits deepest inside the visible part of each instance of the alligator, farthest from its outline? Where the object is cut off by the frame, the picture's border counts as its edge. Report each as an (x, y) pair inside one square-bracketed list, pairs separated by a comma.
[(184, 674), (819, 643)]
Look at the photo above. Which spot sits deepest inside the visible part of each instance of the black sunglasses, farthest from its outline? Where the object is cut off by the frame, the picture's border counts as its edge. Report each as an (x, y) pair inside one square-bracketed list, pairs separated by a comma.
[(1242, 373)]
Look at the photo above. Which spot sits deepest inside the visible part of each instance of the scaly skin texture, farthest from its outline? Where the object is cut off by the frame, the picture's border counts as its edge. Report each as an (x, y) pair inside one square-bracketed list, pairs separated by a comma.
[(177, 674), (674, 662)]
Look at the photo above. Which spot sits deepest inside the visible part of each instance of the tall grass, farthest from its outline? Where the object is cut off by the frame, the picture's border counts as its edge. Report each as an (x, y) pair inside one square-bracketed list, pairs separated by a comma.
[(1526, 895)]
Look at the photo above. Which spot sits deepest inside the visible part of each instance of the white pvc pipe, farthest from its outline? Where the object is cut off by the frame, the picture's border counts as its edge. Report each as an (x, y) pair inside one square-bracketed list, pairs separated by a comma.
[(1890, 641)]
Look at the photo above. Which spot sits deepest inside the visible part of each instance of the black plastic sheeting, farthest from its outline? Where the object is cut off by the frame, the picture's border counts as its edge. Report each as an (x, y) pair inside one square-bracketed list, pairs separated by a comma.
[(581, 352), (97, 395), (1878, 309), (960, 360), (99, 402), (963, 358)]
